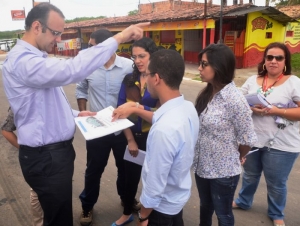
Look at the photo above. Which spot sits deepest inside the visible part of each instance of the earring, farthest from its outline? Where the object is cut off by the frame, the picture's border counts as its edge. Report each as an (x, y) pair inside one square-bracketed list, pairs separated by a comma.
[(284, 69), (264, 67)]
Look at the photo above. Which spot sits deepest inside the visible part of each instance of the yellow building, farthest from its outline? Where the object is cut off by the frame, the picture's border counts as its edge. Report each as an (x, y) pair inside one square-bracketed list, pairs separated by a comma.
[(188, 28)]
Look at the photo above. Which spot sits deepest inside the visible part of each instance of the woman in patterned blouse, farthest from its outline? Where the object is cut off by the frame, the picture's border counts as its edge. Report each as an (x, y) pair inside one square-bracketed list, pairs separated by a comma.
[(226, 134)]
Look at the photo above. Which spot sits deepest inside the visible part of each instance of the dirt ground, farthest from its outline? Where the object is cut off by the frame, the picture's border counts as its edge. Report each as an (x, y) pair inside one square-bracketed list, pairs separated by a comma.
[(241, 75)]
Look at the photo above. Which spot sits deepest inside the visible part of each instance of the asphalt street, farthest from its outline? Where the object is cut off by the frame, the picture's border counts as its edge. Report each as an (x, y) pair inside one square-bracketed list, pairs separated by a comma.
[(14, 192)]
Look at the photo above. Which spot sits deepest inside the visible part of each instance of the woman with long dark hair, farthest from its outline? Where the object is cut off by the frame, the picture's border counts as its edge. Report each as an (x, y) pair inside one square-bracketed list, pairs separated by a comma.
[(134, 92), (226, 134), (277, 129)]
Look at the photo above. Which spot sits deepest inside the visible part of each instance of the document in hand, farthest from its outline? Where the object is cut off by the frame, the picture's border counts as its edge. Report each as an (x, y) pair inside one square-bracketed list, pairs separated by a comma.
[(257, 99), (101, 125), (139, 159)]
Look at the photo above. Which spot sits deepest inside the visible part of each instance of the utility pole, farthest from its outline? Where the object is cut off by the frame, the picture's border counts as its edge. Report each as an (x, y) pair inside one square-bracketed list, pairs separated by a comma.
[(221, 22), (33, 3)]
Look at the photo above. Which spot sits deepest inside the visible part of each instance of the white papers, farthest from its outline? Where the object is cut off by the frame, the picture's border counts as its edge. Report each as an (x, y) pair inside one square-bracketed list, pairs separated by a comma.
[(257, 99), (252, 151), (101, 125), (139, 159)]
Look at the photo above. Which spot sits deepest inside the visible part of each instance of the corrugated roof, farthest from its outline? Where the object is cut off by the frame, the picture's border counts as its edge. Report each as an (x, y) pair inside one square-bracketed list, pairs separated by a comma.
[(292, 11), (186, 14), (271, 12)]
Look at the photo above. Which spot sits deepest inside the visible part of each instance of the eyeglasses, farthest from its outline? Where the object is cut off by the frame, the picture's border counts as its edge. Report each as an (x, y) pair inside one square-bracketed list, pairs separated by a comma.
[(90, 45), (140, 56), (53, 32), (271, 57), (150, 73), (203, 63)]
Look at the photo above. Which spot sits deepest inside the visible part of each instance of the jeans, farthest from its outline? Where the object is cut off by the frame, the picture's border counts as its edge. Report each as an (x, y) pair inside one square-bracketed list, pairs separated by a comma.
[(133, 175), (49, 174), (277, 166), (216, 195), (98, 151), (160, 219)]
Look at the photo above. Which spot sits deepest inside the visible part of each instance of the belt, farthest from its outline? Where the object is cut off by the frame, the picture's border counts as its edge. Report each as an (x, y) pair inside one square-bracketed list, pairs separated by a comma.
[(48, 147)]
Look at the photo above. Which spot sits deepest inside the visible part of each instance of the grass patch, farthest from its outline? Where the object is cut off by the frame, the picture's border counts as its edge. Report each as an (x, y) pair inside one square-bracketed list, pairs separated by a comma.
[(197, 79), (295, 62)]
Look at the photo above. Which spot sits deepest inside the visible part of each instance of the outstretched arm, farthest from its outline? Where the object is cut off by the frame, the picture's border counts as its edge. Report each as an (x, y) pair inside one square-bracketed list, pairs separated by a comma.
[(133, 32), (124, 112)]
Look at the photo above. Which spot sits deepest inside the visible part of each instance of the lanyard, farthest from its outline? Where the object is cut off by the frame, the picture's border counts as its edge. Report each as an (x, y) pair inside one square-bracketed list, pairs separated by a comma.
[(265, 86)]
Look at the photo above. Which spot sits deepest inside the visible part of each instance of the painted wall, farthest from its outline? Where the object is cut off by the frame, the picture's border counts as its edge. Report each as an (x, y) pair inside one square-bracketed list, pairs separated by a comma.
[(125, 49), (260, 31), (178, 25), (292, 37)]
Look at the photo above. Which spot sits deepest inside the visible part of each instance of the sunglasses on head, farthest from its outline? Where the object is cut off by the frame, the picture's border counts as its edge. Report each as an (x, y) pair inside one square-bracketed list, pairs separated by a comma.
[(271, 57), (203, 64)]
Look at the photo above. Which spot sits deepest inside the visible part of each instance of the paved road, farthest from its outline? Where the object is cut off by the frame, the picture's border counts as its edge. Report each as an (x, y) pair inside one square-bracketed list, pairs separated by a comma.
[(14, 192)]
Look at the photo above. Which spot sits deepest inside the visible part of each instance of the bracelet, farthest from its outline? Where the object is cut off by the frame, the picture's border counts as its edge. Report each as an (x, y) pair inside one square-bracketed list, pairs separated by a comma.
[(137, 104), (122, 36), (284, 112)]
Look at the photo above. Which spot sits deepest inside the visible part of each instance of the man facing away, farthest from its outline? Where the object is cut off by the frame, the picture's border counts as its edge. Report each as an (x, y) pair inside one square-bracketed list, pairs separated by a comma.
[(170, 145), (43, 115), (101, 89)]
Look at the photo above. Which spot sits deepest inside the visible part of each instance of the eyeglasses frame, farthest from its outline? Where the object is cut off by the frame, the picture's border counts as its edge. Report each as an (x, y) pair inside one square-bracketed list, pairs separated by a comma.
[(53, 32)]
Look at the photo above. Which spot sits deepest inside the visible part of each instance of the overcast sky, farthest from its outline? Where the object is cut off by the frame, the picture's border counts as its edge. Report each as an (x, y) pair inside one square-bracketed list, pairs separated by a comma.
[(78, 8)]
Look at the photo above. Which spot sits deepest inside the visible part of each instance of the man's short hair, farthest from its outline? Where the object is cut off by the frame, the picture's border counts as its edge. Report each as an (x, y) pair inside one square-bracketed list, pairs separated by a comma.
[(169, 65), (41, 13), (101, 35)]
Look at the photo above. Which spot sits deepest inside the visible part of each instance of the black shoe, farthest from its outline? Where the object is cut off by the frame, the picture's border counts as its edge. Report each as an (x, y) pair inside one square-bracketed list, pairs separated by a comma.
[(136, 205)]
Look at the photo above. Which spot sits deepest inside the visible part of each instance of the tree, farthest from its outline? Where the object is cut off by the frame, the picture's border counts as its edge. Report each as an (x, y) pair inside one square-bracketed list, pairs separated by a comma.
[(84, 18), (133, 12), (286, 2)]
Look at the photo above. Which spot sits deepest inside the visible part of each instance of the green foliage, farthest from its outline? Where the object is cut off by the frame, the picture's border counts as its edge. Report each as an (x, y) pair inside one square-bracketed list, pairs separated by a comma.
[(84, 19), (285, 2), (296, 64), (9, 34), (196, 79), (133, 12)]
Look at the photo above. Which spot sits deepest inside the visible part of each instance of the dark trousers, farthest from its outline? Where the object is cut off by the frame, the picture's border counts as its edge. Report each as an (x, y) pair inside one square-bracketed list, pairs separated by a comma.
[(49, 173), (160, 219), (98, 151), (216, 195), (133, 175)]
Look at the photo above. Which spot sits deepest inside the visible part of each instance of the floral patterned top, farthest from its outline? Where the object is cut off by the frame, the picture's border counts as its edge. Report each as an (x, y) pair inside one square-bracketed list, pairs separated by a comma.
[(8, 124), (224, 125)]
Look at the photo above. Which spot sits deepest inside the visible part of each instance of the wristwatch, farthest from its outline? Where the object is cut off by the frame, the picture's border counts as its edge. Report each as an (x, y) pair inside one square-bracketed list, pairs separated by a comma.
[(142, 219)]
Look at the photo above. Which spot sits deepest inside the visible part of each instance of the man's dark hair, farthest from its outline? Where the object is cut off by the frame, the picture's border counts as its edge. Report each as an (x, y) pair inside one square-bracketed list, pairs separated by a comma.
[(150, 47), (41, 13), (169, 65), (101, 35)]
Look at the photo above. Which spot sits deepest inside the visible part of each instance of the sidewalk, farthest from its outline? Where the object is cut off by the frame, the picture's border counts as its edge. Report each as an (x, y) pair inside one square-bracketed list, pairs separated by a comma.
[(241, 75)]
